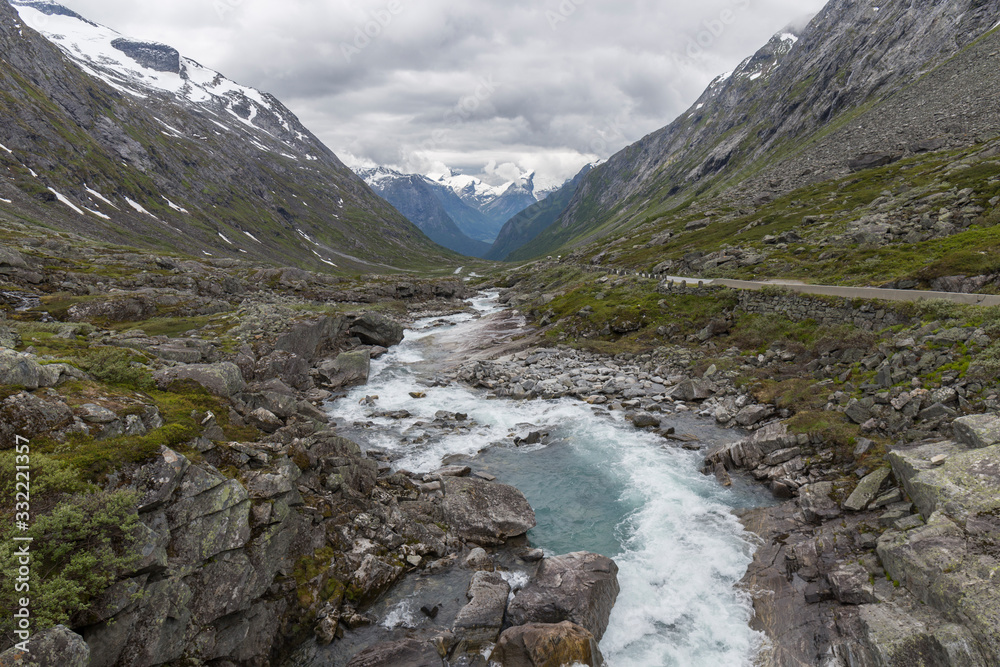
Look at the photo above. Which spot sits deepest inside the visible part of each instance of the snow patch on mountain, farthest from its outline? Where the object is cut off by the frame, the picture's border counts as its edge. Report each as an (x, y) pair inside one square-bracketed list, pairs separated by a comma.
[(174, 206), (97, 213), (139, 208), (97, 194), (65, 200)]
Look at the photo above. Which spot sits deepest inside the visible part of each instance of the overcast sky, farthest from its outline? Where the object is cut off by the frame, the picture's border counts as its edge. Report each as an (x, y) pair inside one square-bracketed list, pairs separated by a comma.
[(485, 87)]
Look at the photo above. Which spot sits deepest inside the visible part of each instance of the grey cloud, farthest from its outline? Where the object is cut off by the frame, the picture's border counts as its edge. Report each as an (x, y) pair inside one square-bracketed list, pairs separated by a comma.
[(575, 85)]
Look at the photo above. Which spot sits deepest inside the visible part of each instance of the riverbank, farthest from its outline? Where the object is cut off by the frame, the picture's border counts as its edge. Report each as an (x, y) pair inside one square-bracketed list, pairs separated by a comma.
[(882, 440), (594, 482)]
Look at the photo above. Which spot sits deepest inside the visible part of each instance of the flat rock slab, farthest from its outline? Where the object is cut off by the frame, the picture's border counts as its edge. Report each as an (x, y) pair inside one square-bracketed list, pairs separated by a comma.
[(485, 513), (224, 379), (977, 431), (579, 587), (867, 490), (404, 653), (968, 482)]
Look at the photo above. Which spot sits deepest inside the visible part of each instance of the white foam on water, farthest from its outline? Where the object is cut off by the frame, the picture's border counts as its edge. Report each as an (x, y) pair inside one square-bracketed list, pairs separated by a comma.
[(679, 550), (400, 616)]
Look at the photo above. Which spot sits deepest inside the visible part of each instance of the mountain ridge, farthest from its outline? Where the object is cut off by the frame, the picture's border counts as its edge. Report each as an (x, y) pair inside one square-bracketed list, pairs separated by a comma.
[(229, 173), (743, 122)]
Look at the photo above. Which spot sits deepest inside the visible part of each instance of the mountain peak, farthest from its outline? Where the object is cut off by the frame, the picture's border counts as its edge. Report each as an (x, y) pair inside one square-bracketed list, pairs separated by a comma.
[(143, 68)]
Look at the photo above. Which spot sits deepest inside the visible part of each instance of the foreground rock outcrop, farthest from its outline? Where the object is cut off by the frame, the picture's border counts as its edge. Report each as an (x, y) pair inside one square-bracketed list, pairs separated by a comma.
[(509, 632), (545, 645), (897, 572)]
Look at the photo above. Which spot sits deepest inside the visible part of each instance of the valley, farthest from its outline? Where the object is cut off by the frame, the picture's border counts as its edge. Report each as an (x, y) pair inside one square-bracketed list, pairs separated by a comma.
[(729, 396)]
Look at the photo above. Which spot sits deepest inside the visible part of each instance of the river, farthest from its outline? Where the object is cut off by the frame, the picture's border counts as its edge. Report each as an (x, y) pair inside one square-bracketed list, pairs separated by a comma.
[(596, 484)]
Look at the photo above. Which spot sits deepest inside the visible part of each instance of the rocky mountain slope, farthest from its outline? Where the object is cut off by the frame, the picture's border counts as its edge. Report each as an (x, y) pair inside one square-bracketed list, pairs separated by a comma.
[(532, 221), (421, 202), (130, 142), (804, 109)]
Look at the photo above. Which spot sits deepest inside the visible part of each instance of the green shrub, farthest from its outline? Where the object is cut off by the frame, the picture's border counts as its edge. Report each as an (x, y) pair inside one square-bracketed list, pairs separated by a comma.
[(81, 544), (117, 366)]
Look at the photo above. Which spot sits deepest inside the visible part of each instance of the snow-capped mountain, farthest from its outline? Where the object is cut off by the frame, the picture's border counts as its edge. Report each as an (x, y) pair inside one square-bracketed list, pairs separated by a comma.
[(498, 203), (422, 201), (130, 142), (478, 209), (141, 69)]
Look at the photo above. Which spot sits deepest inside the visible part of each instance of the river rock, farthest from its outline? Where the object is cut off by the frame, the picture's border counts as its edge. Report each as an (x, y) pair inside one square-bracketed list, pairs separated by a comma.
[(547, 645), (479, 622), (403, 653), (222, 379), (579, 587), (349, 369), (750, 452), (977, 431), (645, 420), (377, 329), (58, 646), (753, 414), (867, 490), (478, 559), (485, 513), (694, 390)]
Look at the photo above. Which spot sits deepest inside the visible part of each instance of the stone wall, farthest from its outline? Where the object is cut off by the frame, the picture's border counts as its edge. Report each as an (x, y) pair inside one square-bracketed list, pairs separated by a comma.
[(868, 315), (864, 314)]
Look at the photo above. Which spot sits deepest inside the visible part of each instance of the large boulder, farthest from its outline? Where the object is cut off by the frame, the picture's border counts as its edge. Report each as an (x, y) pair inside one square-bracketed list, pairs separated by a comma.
[(547, 645), (286, 366), (311, 340), (349, 369), (377, 329), (693, 390), (403, 653), (130, 309), (947, 476), (9, 338), (579, 587), (56, 647), (11, 259), (20, 370), (479, 622), (484, 512), (223, 379), (28, 415)]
